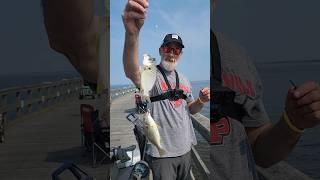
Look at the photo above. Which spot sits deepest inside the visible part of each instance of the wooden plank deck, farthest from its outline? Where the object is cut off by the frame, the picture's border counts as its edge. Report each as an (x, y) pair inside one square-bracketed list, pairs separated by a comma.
[(121, 130), (39, 143)]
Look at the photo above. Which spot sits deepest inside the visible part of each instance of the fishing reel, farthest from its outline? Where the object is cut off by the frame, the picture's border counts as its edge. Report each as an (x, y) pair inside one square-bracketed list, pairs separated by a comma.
[(140, 170)]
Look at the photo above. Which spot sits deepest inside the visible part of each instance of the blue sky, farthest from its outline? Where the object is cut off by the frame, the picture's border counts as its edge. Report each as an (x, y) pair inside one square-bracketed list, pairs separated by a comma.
[(188, 18)]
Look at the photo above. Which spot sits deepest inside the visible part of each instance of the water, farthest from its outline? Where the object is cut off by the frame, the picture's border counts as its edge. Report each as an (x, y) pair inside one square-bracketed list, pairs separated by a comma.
[(196, 86), (275, 77), (14, 80)]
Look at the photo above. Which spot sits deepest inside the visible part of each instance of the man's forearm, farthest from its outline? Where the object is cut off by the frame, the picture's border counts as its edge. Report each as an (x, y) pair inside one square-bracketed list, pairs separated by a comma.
[(195, 106), (131, 58), (71, 28), (273, 143)]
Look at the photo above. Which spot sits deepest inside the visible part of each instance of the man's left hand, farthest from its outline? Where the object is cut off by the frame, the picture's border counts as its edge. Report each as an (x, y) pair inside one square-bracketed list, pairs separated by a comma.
[(204, 95), (303, 105)]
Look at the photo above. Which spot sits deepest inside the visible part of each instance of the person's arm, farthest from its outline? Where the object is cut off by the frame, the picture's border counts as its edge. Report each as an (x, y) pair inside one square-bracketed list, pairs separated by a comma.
[(133, 18), (197, 105), (272, 143), (71, 28), (131, 59)]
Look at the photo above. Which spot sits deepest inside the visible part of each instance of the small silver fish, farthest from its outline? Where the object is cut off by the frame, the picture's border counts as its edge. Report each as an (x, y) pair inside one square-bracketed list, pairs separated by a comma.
[(152, 132), (148, 74), (148, 60)]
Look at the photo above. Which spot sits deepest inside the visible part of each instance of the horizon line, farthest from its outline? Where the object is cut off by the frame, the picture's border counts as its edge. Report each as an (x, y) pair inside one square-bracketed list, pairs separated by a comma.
[(132, 83), (289, 61)]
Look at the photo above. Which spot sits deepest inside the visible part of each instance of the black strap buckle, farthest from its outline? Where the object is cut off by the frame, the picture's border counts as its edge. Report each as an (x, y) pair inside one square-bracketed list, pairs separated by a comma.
[(176, 94), (223, 105)]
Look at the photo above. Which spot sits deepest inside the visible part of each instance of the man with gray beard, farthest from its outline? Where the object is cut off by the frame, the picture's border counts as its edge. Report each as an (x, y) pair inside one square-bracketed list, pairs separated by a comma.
[(172, 114)]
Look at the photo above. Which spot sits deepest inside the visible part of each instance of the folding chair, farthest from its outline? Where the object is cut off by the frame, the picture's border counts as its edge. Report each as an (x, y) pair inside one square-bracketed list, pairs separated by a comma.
[(86, 123), (91, 136)]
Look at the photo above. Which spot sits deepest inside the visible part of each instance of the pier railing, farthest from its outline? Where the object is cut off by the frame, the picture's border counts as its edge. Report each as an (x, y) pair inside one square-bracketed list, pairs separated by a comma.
[(202, 125), (18, 101), (116, 92)]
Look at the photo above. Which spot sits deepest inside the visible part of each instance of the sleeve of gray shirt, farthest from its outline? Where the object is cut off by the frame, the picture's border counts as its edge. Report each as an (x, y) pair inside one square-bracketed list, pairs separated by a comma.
[(256, 114), (237, 63)]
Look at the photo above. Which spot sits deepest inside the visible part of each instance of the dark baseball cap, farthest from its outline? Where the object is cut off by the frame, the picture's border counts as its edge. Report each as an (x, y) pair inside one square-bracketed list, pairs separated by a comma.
[(170, 38)]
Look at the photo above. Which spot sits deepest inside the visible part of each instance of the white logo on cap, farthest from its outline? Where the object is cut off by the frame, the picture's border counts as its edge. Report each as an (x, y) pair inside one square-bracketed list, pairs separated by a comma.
[(174, 36)]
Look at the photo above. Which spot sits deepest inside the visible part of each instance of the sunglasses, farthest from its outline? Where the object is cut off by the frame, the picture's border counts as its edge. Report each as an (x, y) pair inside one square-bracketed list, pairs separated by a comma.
[(168, 49)]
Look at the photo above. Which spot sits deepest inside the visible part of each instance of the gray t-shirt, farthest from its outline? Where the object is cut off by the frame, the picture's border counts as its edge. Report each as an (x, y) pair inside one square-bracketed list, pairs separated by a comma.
[(231, 154), (173, 117)]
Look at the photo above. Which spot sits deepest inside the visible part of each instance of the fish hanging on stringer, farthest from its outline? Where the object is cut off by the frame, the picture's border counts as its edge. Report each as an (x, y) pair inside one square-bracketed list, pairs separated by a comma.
[(148, 74)]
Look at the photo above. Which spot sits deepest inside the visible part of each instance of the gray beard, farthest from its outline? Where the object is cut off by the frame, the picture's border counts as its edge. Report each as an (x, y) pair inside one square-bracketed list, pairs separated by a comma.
[(168, 66)]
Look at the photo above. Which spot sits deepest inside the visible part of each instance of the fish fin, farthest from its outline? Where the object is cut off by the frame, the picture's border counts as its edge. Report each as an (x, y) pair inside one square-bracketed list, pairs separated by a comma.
[(161, 152), (158, 126)]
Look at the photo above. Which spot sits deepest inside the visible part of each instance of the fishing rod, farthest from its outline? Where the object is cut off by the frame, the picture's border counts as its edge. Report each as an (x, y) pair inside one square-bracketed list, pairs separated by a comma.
[(293, 84)]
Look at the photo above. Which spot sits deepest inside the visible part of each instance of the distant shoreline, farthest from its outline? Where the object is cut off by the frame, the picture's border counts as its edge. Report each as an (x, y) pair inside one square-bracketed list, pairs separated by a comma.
[(289, 62), (26, 79), (123, 85), (38, 73)]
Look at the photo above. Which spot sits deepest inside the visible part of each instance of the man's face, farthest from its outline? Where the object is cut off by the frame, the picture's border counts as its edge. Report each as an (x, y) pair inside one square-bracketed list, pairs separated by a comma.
[(170, 54)]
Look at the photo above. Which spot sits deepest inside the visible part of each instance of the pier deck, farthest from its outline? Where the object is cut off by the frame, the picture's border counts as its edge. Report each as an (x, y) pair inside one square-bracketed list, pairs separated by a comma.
[(38, 143), (121, 130)]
